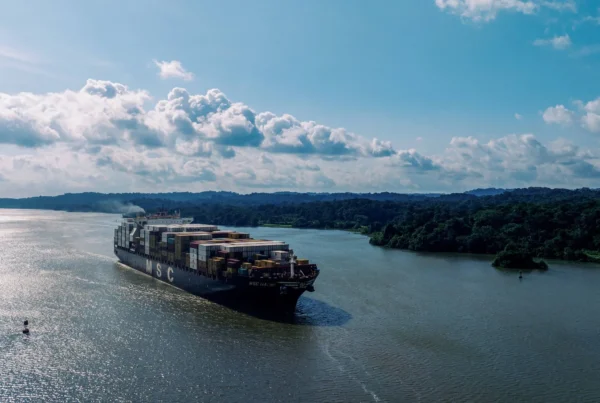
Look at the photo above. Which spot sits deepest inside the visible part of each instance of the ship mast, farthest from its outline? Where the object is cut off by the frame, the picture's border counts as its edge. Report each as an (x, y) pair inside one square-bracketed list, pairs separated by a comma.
[(292, 262)]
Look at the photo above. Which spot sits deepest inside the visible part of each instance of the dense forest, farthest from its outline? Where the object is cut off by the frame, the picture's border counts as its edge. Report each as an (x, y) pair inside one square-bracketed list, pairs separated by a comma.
[(541, 222), (554, 224)]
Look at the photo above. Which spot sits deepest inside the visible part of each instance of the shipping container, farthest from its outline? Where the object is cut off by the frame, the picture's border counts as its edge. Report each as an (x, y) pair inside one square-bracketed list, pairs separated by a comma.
[(239, 235), (199, 227), (221, 234), (280, 255)]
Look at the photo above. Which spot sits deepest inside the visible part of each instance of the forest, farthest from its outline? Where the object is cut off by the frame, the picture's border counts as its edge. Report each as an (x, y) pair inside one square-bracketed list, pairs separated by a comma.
[(542, 222), (546, 223)]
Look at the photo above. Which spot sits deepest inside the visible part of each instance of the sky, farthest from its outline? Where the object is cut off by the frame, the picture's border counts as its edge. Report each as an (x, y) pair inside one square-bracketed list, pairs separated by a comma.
[(321, 96)]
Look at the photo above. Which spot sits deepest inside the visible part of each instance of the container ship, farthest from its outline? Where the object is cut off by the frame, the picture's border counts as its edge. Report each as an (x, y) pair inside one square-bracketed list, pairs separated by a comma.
[(204, 260)]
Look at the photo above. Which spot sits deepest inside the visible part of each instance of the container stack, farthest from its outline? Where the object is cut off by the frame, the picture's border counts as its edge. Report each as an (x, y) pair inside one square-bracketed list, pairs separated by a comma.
[(199, 228), (125, 233), (193, 256), (280, 255), (248, 249), (209, 251), (221, 234), (238, 235), (182, 242)]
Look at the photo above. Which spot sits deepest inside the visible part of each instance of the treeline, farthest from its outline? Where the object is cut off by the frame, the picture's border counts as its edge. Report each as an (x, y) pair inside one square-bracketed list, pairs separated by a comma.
[(555, 230), (554, 224), (92, 201)]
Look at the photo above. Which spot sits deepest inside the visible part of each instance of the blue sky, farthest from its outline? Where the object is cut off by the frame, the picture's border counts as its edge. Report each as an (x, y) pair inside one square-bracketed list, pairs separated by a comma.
[(412, 73)]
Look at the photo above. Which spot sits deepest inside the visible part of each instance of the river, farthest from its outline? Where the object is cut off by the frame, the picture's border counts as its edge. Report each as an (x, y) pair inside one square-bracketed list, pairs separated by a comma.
[(382, 326)]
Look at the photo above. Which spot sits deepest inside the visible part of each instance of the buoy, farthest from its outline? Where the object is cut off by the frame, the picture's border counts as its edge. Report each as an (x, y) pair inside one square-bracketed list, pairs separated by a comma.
[(26, 322), (26, 331)]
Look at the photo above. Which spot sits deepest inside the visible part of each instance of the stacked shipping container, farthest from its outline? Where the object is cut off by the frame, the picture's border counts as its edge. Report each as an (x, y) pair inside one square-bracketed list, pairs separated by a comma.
[(206, 249)]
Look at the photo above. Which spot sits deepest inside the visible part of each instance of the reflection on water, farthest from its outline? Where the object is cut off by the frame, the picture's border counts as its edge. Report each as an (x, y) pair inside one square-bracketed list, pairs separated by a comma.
[(383, 325)]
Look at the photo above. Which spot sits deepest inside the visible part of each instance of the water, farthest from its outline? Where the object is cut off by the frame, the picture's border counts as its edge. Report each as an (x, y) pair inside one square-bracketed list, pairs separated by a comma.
[(382, 326)]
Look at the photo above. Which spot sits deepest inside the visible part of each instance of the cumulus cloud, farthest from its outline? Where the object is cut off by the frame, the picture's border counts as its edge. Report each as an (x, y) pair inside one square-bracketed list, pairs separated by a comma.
[(518, 116), (519, 159), (558, 42), (101, 112), (172, 69), (487, 10), (591, 118), (558, 115), (109, 137), (104, 113)]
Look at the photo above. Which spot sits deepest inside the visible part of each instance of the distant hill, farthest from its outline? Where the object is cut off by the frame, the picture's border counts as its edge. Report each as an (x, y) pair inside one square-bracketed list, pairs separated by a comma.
[(133, 202), (486, 192), (125, 202)]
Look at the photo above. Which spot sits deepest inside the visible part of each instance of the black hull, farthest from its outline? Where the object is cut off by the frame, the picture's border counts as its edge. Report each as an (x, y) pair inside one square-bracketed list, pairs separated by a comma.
[(269, 294)]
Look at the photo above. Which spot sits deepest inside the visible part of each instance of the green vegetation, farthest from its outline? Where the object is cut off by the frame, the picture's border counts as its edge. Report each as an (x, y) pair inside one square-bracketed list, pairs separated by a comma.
[(545, 223), (517, 259), (278, 225)]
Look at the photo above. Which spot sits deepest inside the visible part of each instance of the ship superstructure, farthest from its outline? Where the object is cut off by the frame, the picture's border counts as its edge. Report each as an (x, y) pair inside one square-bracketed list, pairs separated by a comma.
[(202, 259)]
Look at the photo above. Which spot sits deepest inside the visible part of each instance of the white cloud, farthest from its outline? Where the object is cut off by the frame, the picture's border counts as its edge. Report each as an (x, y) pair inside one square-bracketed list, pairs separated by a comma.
[(558, 42), (586, 50), (173, 69), (520, 160), (518, 116), (17, 55), (591, 119), (109, 137), (558, 115), (18, 59), (560, 5), (487, 10)]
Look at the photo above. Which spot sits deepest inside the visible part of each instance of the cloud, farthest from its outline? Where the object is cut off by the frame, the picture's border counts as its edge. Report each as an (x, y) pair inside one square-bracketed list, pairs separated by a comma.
[(591, 119), (108, 113), (100, 113), (558, 115), (415, 161), (586, 50), (520, 160), (17, 55), (487, 10), (18, 59), (558, 42), (173, 69), (518, 116), (560, 5), (288, 135), (110, 137)]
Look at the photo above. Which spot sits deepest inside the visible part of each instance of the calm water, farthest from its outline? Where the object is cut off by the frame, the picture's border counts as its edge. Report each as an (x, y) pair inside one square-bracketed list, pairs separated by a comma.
[(382, 326)]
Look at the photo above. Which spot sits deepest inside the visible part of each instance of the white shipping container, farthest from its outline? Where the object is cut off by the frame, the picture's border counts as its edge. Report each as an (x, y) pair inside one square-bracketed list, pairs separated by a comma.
[(194, 259), (206, 251), (200, 227), (280, 255)]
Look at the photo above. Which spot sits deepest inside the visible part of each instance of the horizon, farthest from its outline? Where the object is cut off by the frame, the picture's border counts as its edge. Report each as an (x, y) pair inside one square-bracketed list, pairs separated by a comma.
[(433, 96), (312, 193)]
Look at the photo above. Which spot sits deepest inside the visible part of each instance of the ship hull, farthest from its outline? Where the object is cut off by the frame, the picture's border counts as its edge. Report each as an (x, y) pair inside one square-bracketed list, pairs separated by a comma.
[(272, 295)]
